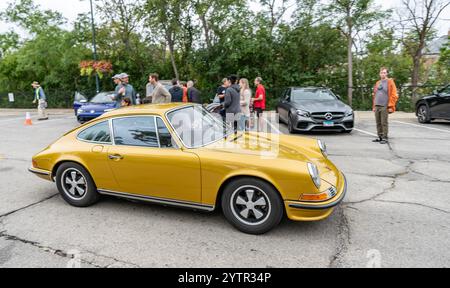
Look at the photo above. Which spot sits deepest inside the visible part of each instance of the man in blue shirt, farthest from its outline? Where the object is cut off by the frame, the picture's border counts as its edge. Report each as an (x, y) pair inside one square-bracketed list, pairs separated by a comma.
[(41, 100), (127, 90)]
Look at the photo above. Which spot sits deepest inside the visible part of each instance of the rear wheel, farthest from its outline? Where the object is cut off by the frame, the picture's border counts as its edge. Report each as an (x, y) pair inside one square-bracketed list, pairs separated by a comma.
[(252, 206), (76, 185), (423, 114)]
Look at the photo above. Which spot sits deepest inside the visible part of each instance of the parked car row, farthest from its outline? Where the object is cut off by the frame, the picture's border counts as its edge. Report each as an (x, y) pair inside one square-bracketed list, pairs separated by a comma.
[(302, 109)]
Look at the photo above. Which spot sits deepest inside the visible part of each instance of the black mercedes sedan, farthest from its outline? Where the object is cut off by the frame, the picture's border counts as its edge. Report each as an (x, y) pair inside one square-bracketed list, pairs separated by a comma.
[(435, 106), (314, 109)]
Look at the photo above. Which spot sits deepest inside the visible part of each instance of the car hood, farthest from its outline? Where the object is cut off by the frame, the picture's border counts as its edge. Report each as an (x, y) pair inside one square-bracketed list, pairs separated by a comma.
[(313, 106), (98, 106), (268, 145)]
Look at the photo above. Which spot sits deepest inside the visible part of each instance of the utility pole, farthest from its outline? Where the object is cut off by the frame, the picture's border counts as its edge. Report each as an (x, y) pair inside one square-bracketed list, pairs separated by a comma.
[(94, 44)]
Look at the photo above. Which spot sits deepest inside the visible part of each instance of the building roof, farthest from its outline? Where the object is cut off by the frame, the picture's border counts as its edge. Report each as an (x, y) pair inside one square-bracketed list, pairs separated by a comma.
[(434, 48)]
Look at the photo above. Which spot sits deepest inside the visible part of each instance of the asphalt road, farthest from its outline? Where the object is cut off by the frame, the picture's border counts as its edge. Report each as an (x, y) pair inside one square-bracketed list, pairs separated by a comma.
[(396, 213)]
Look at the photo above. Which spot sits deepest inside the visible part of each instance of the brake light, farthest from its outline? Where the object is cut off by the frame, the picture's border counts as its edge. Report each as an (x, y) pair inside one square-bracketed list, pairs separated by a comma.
[(34, 163)]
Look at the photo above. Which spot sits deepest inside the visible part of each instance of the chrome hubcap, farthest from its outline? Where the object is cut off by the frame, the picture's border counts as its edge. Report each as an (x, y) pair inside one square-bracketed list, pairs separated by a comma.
[(74, 184), (250, 205)]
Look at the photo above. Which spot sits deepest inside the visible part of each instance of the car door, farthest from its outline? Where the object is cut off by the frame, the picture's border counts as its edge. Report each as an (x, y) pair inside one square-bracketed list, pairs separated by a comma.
[(146, 161), (445, 96), (285, 105)]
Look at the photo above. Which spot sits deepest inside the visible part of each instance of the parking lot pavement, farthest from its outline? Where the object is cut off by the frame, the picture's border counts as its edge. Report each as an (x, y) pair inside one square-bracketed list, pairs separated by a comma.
[(396, 213)]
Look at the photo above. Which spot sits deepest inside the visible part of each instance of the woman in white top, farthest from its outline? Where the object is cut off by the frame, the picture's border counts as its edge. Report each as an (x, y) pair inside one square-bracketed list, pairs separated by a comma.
[(246, 96)]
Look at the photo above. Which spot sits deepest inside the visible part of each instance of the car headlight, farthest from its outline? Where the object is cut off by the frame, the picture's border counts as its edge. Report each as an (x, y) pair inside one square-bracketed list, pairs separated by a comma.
[(303, 113), (315, 176), (323, 147), (80, 111), (349, 113)]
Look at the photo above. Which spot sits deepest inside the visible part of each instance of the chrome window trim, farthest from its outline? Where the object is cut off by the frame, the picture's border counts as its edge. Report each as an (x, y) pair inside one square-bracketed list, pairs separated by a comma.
[(156, 127), (96, 142), (157, 132), (178, 136)]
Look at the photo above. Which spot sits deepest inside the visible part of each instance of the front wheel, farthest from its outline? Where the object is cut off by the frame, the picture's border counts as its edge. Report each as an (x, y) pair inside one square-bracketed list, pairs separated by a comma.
[(76, 185), (423, 114), (252, 206), (290, 125)]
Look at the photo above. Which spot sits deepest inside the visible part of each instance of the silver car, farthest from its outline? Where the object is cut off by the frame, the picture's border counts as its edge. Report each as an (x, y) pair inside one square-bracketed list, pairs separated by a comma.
[(314, 109)]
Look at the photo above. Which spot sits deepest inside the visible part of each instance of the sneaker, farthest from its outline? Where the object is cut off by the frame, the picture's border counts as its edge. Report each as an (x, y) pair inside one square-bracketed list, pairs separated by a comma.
[(384, 141), (377, 140)]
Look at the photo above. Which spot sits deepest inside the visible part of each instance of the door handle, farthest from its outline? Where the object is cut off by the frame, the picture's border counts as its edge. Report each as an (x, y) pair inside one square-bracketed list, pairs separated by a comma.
[(115, 157)]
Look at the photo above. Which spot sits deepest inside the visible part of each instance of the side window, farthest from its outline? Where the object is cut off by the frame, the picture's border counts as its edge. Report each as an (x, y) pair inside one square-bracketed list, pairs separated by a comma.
[(135, 131), (165, 138), (287, 95), (446, 91), (96, 133)]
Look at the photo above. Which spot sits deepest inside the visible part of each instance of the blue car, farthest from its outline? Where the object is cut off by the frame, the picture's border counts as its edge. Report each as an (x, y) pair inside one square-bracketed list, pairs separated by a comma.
[(103, 102)]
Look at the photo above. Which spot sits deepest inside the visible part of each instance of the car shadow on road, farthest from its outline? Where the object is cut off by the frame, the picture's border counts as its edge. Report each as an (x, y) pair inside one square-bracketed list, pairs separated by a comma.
[(216, 219)]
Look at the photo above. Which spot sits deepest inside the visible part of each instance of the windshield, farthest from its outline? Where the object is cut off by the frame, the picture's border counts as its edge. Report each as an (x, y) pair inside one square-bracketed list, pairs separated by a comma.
[(103, 97), (299, 95), (196, 127)]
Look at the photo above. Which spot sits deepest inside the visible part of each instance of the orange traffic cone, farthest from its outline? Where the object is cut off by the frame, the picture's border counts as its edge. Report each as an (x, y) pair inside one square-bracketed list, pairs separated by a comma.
[(28, 119)]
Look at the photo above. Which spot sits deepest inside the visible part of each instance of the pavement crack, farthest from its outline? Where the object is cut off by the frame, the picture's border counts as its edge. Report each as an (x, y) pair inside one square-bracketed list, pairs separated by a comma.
[(344, 237), (28, 206), (63, 254), (415, 204)]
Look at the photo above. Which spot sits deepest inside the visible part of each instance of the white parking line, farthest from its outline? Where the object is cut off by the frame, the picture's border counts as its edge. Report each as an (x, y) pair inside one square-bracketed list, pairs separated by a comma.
[(422, 126), (365, 132)]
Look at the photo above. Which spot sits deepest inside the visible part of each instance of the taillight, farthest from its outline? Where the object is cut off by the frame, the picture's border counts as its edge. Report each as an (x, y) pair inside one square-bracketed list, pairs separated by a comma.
[(34, 163)]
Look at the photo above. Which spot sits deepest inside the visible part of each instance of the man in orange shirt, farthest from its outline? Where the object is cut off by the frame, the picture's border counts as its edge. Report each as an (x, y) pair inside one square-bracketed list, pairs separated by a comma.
[(385, 99)]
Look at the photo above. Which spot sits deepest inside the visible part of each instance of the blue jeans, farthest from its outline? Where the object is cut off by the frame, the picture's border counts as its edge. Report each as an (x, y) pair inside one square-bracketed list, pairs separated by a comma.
[(243, 123)]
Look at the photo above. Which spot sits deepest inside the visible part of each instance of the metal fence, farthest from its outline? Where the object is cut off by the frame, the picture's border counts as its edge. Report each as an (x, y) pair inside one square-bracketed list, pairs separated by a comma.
[(362, 97)]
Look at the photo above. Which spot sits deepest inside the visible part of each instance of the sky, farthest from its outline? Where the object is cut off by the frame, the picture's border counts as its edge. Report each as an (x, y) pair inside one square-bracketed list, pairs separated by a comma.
[(71, 8)]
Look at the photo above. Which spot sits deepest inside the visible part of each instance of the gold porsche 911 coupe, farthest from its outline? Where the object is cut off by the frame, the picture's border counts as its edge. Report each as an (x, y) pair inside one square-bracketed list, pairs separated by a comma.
[(181, 155)]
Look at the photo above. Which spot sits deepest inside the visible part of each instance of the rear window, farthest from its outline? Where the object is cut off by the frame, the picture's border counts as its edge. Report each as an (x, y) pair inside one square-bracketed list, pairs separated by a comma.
[(96, 133)]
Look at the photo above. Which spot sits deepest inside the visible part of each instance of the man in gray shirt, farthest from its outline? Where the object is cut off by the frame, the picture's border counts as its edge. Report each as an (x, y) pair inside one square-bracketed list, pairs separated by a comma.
[(232, 102), (384, 102)]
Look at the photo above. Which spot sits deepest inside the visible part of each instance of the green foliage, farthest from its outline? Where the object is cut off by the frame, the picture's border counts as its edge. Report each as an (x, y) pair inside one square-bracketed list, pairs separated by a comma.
[(203, 41)]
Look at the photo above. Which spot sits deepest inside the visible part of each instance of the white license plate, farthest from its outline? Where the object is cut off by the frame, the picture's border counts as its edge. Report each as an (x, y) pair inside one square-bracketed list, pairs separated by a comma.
[(328, 124)]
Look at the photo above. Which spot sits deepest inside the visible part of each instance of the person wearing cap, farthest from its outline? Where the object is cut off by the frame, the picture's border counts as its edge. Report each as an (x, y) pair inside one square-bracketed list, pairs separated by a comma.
[(41, 100), (127, 90), (118, 98)]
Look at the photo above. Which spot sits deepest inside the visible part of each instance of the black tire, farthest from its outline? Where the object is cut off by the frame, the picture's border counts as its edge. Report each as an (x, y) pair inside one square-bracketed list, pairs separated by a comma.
[(76, 186), (266, 206), (423, 114)]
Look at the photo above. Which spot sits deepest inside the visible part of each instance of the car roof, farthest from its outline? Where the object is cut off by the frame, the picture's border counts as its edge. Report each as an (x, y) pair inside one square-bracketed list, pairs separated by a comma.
[(159, 109)]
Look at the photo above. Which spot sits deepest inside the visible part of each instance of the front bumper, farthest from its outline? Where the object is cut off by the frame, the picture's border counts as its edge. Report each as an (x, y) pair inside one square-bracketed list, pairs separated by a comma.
[(305, 124), (88, 116), (314, 211)]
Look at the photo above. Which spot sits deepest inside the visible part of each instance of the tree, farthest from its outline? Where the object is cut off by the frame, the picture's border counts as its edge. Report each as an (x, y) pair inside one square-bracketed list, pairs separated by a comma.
[(417, 26), (164, 16), (352, 16)]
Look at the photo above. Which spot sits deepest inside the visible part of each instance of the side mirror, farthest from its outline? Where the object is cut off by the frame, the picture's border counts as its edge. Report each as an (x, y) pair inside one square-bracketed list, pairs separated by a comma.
[(435, 92), (339, 97)]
